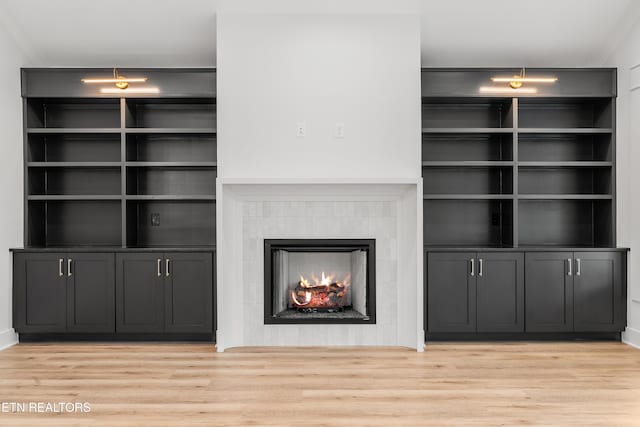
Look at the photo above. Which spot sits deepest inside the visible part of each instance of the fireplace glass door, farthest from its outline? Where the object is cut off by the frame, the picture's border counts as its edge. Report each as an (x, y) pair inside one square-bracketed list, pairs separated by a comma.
[(319, 281)]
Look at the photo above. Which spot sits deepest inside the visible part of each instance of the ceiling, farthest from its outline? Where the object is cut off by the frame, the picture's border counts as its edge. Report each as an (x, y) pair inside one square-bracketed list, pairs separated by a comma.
[(156, 33)]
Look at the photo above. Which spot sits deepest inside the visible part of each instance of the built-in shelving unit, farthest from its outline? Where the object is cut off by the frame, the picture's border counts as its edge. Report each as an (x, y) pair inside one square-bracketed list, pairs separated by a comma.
[(120, 171), (521, 170)]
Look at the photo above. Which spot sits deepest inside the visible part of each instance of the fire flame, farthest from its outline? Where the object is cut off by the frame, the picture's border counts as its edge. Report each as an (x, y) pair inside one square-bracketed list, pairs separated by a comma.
[(324, 281)]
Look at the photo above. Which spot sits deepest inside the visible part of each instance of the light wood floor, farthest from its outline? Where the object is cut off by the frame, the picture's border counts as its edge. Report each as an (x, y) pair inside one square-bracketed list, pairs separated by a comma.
[(450, 384)]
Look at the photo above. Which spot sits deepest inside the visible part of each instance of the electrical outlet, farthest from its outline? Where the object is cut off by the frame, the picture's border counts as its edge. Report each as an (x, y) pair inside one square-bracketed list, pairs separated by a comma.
[(339, 130), (301, 129), (155, 220), (495, 219)]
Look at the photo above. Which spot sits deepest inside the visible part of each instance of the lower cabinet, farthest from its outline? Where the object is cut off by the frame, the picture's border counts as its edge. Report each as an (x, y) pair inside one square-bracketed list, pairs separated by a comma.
[(549, 293), (164, 292), (475, 292), (107, 293), (63, 292), (500, 292), (576, 292), (532, 292), (599, 292)]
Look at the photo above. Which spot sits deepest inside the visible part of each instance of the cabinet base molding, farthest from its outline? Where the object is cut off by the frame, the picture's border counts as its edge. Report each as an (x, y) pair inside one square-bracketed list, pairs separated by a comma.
[(540, 336), (116, 337)]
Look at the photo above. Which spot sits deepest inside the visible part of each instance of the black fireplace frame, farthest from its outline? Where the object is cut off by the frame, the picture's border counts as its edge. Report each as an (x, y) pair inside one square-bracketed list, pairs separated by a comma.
[(319, 245)]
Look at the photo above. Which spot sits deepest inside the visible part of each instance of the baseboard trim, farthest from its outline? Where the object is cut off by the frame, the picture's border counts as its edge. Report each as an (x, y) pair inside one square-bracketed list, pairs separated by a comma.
[(8, 338), (123, 337), (523, 336), (631, 337)]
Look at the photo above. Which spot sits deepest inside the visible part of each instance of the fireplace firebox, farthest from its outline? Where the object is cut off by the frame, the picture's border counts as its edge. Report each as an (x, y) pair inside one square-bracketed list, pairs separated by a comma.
[(319, 281)]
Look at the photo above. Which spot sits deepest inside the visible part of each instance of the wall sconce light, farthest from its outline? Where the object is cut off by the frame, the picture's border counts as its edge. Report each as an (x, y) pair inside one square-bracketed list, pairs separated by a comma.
[(516, 83), (121, 84)]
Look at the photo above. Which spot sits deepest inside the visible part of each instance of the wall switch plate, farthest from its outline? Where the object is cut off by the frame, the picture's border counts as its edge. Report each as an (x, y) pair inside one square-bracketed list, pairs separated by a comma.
[(339, 133), (301, 129), (155, 220)]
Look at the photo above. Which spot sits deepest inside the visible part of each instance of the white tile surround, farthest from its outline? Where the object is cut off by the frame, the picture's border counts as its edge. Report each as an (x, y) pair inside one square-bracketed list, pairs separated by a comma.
[(253, 212)]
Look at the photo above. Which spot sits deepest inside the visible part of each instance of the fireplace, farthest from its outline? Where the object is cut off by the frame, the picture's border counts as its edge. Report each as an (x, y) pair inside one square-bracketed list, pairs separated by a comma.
[(319, 281)]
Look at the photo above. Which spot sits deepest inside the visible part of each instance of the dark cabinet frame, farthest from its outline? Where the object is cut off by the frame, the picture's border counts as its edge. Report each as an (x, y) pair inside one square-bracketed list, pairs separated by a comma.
[(589, 287), (461, 297), (172, 293), (73, 304)]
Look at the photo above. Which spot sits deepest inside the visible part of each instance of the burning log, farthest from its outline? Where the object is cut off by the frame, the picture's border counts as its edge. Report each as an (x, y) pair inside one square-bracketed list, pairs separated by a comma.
[(326, 294)]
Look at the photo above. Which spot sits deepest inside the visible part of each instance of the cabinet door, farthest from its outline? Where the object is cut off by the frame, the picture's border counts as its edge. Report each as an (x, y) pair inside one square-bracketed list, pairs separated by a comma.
[(91, 292), (549, 292), (188, 292), (500, 292), (451, 289), (39, 293), (598, 292), (139, 293)]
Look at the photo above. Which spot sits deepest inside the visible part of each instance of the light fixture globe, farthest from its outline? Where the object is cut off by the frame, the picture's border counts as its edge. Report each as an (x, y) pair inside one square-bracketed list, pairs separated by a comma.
[(122, 83), (516, 83)]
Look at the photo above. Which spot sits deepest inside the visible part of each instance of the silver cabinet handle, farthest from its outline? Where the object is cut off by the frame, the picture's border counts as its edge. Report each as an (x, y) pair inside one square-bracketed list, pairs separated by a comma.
[(473, 267), (69, 273), (167, 267), (578, 268), (570, 269), (480, 267), (159, 267), (60, 273)]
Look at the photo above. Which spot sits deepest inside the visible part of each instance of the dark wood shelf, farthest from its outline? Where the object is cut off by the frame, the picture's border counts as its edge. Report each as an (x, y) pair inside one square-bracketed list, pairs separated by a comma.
[(136, 249), (53, 131), (578, 164), (205, 197), (74, 164), (203, 131), (172, 164), (588, 131), (521, 248), (468, 130), (99, 169), (565, 196), (468, 197), (502, 171), (497, 163), (75, 197)]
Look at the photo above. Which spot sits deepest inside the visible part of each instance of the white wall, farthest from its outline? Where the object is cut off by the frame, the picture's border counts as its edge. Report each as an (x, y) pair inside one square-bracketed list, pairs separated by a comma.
[(627, 59), (11, 60), (275, 71)]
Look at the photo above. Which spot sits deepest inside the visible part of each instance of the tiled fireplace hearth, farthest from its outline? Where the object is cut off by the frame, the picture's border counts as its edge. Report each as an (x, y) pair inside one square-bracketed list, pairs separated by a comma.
[(377, 221)]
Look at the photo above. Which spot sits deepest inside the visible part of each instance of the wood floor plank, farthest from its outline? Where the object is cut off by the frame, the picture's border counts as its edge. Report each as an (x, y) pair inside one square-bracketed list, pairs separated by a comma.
[(450, 384)]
